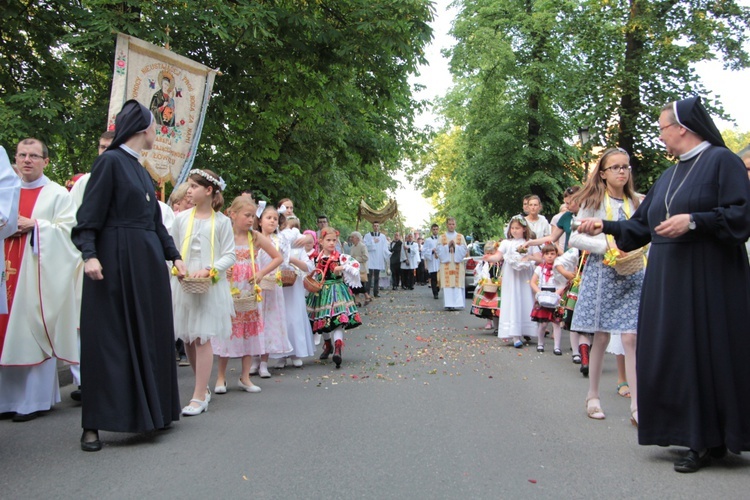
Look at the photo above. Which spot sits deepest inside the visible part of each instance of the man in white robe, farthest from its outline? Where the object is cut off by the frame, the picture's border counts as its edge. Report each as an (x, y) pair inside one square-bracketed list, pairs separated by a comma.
[(409, 261), (451, 251), (41, 262), (377, 248), (431, 260)]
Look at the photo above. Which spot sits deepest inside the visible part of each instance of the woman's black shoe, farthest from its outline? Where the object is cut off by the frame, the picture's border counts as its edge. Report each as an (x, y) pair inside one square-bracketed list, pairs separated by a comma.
[(89, 445), (693, 461)]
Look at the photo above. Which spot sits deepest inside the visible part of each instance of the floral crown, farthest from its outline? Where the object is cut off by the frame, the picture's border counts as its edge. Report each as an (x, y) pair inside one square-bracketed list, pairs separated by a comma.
[(520, 219), (210, 178)]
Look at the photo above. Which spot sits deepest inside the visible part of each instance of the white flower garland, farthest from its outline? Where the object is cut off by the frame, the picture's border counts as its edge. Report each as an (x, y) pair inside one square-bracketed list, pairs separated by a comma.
[(210, 178)]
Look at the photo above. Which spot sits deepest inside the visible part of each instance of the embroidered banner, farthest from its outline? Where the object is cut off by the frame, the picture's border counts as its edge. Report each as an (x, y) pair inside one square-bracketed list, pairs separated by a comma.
[(175, 89)]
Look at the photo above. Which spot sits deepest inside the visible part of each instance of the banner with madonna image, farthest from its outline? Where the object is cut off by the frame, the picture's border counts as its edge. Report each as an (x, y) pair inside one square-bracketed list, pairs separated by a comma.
[(175, 89)]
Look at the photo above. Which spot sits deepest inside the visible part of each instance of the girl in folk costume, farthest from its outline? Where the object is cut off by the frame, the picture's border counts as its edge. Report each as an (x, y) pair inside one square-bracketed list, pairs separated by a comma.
[(569, 266), (272, 305), (609, 195), (547, 279), (247, 338), (205, 237), (297, 324), (332, 310), (518, 268), (486, 303)]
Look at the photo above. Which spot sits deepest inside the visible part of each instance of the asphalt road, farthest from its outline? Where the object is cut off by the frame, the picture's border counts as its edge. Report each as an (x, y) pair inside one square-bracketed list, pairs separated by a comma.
[(426, 405)]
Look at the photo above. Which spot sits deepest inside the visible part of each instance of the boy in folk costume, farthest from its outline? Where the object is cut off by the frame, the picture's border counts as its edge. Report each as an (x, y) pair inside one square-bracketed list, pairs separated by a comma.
[(451, 250)]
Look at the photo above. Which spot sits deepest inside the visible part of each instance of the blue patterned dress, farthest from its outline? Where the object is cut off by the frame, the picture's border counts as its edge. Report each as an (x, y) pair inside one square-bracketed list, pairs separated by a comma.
[(607, 302)]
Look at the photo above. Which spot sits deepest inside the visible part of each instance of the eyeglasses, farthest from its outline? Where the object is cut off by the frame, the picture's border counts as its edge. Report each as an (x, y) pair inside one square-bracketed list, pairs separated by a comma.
[(618, 168), (30, 156), (661, 129)]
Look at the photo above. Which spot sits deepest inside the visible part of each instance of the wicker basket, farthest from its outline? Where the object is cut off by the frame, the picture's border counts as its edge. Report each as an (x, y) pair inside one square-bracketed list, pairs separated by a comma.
[(630, 264), (288, 277), (313, 282), (195, 285), (268, 282), (489, 288), (245, 303)]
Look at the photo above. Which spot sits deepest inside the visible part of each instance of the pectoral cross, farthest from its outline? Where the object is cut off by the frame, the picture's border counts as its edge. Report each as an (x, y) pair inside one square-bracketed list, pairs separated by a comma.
[(9, 268)]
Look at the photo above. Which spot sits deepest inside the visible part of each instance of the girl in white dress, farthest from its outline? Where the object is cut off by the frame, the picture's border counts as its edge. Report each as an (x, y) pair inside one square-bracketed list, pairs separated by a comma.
[(273, 309), (298, 326), (247, 338), (205, 238), (518, 268)]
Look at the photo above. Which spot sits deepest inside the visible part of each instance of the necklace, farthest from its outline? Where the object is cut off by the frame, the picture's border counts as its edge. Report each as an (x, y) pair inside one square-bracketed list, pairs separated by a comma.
[(668, 204)]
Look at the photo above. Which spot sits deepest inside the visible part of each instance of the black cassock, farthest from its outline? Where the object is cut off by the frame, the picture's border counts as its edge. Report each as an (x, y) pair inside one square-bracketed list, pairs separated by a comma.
[(693, 354), (128, 372)]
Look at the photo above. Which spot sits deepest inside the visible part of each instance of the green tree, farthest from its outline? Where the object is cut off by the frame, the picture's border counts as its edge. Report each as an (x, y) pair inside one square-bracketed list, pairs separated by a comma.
[(736, 140), (641, 54), (314, 102), (508, 102)]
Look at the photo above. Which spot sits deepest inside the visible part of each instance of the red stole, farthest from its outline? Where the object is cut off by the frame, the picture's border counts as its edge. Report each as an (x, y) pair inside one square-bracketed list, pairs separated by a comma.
[(14, 248)]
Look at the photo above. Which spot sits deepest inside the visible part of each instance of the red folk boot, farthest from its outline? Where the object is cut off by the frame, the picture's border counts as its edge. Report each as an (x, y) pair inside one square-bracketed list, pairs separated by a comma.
[(585, 359), (327, 349), (337, 353)]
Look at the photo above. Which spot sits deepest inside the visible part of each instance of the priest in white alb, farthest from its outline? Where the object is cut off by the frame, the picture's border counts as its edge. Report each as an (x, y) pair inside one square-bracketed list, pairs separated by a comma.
[(451, 250), (40, 266), (377, 248)]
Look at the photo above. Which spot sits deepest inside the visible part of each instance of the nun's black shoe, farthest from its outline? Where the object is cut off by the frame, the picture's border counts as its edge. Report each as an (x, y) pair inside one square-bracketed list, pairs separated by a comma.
[(89, 444), (693, 461)]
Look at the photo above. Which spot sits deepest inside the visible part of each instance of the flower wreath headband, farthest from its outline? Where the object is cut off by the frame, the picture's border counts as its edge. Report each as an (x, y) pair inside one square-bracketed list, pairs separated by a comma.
[(210, 178), (520, 219)]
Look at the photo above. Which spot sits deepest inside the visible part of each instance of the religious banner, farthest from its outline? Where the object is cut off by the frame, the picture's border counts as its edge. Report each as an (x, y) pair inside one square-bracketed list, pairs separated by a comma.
[(175, 89)]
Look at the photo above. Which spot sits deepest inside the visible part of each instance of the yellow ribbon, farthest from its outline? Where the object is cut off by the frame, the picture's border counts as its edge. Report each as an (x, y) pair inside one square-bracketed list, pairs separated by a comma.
[(256, 289), (213, 274)]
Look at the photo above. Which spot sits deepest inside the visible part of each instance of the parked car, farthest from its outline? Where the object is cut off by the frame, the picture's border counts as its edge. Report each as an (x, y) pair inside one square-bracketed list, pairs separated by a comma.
[(471, 261)]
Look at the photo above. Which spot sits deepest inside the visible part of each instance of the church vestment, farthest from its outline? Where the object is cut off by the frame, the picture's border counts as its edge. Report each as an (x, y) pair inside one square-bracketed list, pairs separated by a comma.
[(42, 321), (452, 274)]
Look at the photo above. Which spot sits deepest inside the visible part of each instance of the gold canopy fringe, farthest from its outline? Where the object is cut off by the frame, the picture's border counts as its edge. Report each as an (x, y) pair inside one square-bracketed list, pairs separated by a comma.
[(389, 211)]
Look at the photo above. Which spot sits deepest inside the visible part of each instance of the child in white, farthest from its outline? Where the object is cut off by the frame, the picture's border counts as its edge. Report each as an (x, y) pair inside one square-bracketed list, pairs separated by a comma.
[(298, 326), (205, 238), (546, 279), (518, 268)]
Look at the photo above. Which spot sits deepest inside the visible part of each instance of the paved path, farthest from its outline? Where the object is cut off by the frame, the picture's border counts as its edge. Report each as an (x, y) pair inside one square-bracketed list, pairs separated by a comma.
[(426, 405)]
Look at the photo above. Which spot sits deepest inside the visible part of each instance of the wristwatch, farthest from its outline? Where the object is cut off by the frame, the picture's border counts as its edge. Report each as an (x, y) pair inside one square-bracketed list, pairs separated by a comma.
[(691, 224)]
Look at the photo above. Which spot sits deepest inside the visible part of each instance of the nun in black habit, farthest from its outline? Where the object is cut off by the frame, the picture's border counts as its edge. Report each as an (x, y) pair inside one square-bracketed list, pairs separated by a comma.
[(129, 378), (693, 341)]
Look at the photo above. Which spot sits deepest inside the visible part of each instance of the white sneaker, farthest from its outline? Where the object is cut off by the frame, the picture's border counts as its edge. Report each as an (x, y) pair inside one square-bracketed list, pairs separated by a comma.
[(263, 370), (296, 362)]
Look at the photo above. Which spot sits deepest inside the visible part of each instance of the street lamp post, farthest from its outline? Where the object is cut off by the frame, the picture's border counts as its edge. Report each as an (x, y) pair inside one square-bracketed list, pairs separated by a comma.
[(584, 136)]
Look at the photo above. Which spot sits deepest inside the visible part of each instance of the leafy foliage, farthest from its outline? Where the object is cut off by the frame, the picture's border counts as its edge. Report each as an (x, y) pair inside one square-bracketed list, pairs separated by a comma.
[(528, 73), (314, 101)]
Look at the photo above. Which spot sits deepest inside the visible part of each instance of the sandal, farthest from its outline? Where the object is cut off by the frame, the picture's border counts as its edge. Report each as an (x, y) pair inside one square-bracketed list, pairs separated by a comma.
[(594, 411), (623, 389), (540, 348), (557, 351)]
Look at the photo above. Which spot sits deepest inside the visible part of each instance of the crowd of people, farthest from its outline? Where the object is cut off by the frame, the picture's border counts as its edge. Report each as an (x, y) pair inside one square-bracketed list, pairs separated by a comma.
[(151, 285)]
